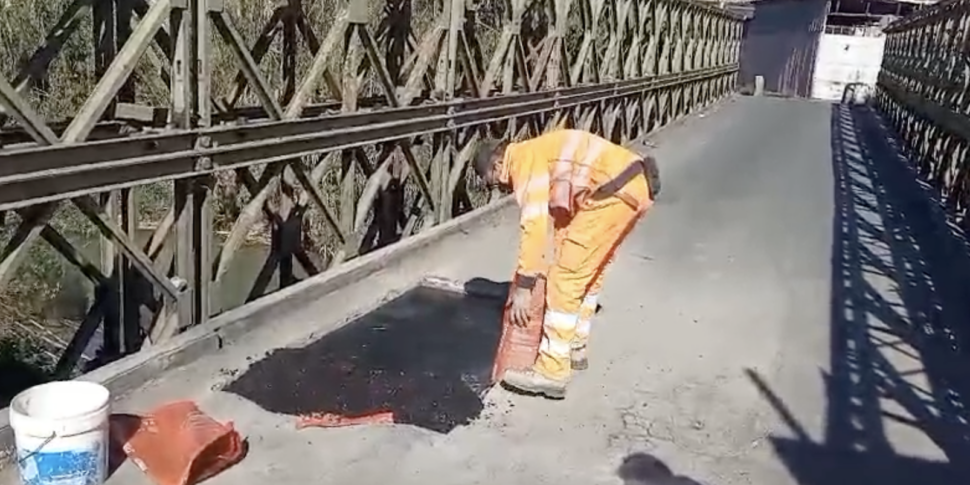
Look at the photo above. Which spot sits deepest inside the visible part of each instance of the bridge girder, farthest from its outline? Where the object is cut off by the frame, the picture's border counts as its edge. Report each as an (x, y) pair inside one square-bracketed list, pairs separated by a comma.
[(331, 146), (923, 93)]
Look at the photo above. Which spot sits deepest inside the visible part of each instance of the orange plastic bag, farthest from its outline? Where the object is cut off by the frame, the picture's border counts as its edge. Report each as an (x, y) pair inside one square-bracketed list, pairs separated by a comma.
[(333, 420), (519, 346), (178, 444)]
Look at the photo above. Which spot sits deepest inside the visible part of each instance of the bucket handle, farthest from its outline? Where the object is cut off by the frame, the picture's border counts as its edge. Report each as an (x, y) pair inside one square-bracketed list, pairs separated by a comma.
[(50, 438)]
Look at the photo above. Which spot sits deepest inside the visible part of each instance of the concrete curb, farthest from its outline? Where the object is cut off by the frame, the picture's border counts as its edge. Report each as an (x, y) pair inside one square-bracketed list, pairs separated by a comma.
[(129, 373)]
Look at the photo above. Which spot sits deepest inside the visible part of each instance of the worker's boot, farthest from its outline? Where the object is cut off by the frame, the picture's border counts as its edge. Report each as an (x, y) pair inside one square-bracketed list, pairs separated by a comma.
[(533, 382), (578, 359)]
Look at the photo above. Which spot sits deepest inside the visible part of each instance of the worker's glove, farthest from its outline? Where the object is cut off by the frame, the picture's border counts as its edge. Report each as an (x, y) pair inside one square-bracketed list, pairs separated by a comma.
[(521, 303)]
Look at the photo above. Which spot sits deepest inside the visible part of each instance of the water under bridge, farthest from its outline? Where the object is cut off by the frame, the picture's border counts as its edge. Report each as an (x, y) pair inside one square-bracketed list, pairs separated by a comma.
[(792, 311)]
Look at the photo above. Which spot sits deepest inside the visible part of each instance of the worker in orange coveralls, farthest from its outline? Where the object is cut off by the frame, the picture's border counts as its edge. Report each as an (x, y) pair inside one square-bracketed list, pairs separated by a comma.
[(593, 192)]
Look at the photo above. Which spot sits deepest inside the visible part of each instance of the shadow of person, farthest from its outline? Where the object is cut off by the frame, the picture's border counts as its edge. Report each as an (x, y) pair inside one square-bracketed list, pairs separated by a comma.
[(646, 469), (488, 288)]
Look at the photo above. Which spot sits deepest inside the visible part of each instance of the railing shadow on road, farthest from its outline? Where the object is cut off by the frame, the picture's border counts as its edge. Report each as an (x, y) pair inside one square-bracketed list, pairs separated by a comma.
[(899, 374)]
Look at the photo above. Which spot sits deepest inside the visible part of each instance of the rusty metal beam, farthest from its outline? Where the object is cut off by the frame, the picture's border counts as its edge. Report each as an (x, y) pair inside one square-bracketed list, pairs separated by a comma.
[(133, 162), (639, 64), (924, 94)]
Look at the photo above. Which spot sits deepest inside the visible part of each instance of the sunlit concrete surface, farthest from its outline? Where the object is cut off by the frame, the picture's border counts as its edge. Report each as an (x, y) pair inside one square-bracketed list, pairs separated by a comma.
[(785, 315)]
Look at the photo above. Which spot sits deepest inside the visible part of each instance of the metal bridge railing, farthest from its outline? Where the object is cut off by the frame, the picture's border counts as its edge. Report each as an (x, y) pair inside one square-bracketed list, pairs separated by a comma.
[(923, 92), (364, 142)]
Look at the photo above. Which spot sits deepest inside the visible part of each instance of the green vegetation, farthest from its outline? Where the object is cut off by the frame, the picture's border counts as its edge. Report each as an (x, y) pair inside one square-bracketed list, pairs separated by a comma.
[(42, 304)]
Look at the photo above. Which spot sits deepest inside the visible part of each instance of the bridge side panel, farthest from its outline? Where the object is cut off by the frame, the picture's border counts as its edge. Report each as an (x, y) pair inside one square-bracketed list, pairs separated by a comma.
[(780, 43), (240, 172), (922, 94)]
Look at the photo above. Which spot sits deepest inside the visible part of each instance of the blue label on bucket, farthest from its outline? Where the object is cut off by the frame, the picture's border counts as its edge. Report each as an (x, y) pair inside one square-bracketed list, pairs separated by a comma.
[(62, 468)]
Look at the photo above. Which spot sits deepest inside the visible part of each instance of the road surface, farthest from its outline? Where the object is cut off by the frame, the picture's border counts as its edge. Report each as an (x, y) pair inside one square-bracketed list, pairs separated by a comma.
[(787, 314)]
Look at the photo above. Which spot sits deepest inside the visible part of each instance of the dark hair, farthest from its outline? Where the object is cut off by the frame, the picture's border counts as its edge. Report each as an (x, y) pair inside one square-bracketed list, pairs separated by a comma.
[(485, 156)]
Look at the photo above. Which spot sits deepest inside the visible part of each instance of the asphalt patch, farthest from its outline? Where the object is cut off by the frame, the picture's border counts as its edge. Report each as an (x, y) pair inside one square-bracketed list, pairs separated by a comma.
[(426, 355)]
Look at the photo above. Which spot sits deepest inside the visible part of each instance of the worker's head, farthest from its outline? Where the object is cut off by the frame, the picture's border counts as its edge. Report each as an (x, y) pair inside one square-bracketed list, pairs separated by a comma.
[(488, 161)]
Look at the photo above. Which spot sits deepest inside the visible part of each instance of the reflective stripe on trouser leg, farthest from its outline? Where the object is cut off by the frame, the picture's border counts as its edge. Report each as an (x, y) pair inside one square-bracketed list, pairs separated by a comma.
[(558, 330), (584, 250), (586, 312), (588, 308)]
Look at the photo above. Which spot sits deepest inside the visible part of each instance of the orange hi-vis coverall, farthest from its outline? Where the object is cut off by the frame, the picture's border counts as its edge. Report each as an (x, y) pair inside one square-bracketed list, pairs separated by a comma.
[(593, 192)]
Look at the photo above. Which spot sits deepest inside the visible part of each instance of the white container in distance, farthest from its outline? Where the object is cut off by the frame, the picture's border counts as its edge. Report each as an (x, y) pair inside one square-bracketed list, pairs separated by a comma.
[(61, 433)]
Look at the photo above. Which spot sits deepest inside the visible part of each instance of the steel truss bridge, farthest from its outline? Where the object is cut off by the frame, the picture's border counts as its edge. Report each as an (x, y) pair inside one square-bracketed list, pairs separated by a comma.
[(335, 138), (392, 103)]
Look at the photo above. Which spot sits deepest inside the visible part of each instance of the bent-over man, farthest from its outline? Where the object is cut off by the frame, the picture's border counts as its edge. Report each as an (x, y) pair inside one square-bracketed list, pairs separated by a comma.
[(592, 191)]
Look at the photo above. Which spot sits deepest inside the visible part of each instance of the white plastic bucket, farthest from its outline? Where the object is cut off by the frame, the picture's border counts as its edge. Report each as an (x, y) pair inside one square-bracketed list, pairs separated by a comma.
[(61, 433)]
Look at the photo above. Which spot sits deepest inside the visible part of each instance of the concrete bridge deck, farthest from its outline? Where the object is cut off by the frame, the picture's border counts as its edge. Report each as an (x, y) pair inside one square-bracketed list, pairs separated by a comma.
[(786, 315)]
